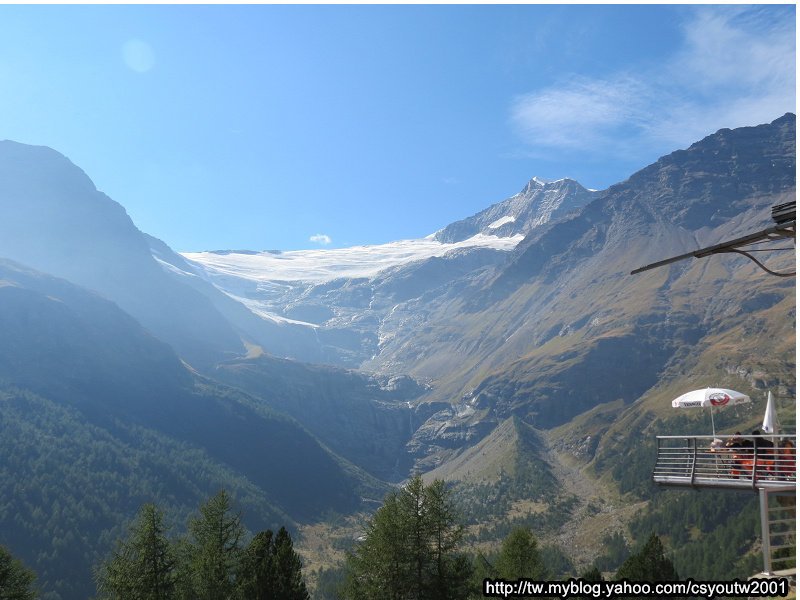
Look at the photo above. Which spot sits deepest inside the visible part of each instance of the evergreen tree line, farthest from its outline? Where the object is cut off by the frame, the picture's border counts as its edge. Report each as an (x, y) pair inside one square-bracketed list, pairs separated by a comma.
[(412, 551), (210, 563), (70, 487)]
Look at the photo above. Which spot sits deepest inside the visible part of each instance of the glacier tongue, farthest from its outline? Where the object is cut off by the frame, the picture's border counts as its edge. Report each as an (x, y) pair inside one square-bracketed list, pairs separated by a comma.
[(321, 266)]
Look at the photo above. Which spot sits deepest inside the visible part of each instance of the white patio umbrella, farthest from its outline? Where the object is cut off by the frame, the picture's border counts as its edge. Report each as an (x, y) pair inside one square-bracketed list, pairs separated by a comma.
[(710, 397), (770, 424)]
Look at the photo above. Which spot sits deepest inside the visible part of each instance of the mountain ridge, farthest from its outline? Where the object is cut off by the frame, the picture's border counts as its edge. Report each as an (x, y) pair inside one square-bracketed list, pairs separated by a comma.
[(538, 203), (57, 222), (565, 299), (479, 349)]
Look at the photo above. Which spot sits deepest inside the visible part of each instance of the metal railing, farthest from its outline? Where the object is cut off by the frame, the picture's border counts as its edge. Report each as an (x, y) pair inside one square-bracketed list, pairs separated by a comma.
[(743, 462), (778, 530)]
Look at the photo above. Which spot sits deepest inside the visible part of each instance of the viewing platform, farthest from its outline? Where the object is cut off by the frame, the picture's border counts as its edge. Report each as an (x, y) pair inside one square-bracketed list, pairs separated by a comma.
[(763, 464), (745, 463)]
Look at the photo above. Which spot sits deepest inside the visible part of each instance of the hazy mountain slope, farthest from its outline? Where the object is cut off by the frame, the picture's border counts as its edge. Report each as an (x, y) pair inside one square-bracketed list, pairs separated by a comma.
[(93, 401), (56, 221), (79, 349), (281, 337)]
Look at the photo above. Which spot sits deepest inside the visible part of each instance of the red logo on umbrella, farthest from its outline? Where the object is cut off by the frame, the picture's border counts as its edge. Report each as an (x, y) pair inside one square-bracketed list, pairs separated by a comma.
[(719, 399)]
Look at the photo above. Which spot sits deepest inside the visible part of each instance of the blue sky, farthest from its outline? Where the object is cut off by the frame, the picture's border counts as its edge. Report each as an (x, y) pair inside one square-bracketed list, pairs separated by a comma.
[(299, 126)]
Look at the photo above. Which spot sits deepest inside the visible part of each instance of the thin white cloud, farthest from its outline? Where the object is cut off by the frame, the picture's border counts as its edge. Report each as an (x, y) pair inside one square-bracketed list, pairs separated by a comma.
[(736, 67), (320, 238), (579, 112), (736, 47)]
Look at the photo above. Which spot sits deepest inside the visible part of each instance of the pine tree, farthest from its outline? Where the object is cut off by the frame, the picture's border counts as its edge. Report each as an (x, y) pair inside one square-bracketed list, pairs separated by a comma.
[(271, 569), (451, 570), (410, 549), (379, 567), (216, 537), (481, 569), (419, 551), (649, 564), (289, 582), (257, 571), (593, 574), (16, 580), (143, 566), (519, 556), (183, 552)]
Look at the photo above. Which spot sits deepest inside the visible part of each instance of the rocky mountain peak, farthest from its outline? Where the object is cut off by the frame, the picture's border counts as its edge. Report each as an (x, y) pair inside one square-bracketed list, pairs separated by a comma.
[(539, 202), (538, 183)]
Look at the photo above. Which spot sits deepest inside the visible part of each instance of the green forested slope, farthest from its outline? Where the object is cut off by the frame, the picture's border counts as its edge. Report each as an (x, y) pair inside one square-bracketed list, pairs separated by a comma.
[(98, 417)]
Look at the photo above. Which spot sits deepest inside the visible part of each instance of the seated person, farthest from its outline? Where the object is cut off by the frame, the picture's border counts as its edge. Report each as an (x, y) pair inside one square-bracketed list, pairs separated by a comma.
[(786, 459), (736, 441), (764, 451), (761, 442)]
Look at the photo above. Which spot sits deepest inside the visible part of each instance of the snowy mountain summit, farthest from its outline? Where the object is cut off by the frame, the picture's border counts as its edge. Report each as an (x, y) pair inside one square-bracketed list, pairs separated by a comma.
[(340, 305), (500, 227), (539, 202)]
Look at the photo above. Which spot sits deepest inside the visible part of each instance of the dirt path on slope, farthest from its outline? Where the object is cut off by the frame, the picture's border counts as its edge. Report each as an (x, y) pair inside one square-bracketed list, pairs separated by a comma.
[(599, 512)]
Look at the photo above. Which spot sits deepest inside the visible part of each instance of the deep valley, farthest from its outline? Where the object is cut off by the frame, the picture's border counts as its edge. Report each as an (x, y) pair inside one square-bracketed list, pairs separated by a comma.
[(510, 354)]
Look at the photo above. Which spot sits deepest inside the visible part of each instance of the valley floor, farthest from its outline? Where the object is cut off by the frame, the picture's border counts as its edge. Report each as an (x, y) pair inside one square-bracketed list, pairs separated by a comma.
[(600, 510)]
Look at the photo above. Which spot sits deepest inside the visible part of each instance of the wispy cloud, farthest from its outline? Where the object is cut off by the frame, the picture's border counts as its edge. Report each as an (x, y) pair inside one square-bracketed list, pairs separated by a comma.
[(320, 238), (581, 111), (735, 67)]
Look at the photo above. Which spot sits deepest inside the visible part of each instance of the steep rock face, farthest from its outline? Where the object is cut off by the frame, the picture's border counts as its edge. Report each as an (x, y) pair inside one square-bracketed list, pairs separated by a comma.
[(56, 221), (563, 326), (537, 204)]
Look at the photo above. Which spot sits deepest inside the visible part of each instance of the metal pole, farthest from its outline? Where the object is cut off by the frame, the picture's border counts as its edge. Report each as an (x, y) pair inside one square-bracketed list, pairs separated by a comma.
[(713, 429), (764, 510)]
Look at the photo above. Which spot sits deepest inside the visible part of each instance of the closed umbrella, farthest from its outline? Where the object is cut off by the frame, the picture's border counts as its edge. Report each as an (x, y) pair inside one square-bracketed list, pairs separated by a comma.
[(710, 397), (770, 424)]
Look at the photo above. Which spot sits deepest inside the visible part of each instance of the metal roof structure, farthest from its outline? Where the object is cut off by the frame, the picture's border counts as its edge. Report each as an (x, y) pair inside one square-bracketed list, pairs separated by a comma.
[(784, 217)]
